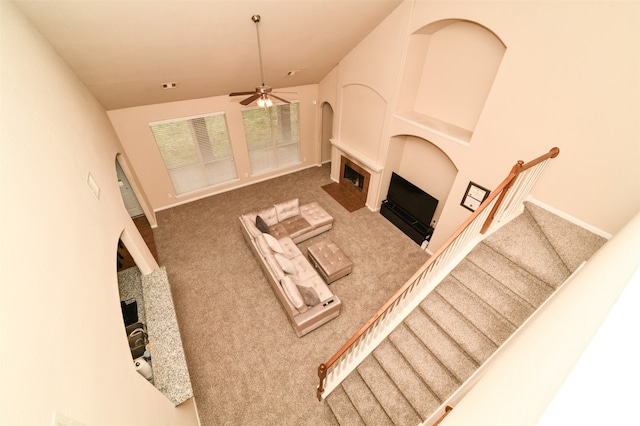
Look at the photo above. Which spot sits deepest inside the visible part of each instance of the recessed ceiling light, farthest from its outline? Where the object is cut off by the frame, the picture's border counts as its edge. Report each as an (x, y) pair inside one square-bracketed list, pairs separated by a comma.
[(293, 72), (170, 85)]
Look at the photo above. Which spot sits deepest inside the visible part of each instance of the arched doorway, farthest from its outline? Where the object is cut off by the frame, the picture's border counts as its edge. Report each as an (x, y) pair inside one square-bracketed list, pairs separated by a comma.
[(327, 133)]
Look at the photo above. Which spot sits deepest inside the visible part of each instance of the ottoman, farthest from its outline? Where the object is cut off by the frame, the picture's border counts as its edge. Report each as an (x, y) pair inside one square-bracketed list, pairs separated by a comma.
[(330, 262)]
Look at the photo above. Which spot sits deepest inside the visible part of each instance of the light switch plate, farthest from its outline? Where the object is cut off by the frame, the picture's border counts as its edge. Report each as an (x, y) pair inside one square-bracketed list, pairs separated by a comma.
[(93, 185)]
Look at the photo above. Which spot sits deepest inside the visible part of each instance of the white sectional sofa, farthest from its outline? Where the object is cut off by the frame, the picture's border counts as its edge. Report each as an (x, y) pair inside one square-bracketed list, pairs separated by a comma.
[(272, 234)]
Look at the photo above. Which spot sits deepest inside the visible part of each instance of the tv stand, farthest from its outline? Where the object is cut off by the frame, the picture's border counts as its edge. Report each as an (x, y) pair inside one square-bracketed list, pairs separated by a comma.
[(414, 229)]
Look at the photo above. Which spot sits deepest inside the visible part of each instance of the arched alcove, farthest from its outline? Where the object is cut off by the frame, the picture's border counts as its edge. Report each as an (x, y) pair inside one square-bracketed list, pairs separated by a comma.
[(423, 164), (327, 133), (362, 120), (450, 68)]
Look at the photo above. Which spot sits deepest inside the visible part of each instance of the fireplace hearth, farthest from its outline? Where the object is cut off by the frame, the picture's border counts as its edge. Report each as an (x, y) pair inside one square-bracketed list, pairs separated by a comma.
[(352, 189)]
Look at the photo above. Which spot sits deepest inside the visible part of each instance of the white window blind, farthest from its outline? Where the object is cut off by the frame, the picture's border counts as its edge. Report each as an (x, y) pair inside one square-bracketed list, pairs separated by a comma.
[(272, 137), (196, 151)]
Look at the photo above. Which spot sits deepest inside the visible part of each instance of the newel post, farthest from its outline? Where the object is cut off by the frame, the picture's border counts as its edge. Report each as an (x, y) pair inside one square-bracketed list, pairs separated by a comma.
[(322, 374), (515, 171)]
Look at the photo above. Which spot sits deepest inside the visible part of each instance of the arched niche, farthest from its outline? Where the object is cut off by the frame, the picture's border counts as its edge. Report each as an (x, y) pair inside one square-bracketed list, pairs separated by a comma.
[(362, 117), (449, 70), (327, 133), (423, 164)]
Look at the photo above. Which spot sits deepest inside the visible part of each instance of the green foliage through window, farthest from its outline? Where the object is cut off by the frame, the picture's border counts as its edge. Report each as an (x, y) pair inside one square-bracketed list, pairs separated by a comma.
[(196, 151), (272, 136)]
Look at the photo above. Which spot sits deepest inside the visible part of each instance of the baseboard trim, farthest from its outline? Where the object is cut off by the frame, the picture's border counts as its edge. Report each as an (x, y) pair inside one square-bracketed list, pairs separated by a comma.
[(570, 218), (231, 188)]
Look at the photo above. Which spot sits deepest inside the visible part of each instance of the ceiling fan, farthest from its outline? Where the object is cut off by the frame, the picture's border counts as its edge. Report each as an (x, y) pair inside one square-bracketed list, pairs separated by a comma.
[(263, 92)]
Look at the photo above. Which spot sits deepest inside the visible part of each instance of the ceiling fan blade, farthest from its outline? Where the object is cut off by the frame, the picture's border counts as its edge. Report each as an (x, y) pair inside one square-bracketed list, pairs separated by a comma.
[(279, 98), (250, 99), (242, 93)]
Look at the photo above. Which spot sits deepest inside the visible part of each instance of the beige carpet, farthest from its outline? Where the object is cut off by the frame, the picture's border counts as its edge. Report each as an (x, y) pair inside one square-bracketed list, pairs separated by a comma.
[(467, 317), (246, 364)]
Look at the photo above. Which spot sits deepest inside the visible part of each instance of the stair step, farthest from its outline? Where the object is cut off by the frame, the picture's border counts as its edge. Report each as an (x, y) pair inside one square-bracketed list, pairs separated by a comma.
[(573, 243), (389, 396), (409, 383), (343, 409), (523, 243), (481, 315), (463, 321), (364, 400), (468, 337), (438, 380), (492, 292), (521, 282), (452, 356)]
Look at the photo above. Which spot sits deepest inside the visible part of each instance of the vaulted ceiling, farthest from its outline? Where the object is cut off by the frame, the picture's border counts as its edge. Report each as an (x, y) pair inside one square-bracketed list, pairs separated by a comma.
[(124, 51)]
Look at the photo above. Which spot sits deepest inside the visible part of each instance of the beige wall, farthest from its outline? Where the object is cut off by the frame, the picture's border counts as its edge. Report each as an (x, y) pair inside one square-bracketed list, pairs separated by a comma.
[(569, 78), (63, 343), (132, 127), (427, 167)]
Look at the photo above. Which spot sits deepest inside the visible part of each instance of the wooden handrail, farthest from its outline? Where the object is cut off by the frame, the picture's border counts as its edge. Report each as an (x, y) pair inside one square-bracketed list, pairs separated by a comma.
[(500, 191), (518, 168), (447, 410)]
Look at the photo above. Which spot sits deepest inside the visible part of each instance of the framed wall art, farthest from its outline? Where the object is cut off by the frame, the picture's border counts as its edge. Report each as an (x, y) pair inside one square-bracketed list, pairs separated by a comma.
[(474, 196)]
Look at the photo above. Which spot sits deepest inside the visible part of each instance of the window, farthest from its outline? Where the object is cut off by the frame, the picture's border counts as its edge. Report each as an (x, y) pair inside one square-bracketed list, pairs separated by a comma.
[(272, 137), (196, 151)]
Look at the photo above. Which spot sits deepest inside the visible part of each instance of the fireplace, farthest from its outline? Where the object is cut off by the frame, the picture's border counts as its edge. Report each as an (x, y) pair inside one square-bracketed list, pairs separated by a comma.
[(352, 188), (352, 176), (355, 180)]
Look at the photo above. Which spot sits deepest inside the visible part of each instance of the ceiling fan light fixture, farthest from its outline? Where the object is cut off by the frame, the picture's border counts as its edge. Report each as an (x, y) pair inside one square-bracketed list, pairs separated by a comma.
[(261, 94), (265, 102)]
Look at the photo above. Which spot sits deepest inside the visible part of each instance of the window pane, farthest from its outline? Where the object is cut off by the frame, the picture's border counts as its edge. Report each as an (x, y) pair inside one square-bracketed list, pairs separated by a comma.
[(176, 144), (272, 137), (197, 152)]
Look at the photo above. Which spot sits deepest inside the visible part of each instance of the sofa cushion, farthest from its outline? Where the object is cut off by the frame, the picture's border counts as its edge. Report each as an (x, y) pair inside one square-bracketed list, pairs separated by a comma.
[(278, 231), (262, 225), (250, 225), (285, 264), (318, 286), (289, 248), (308, 292), (250, 216), (315, 215), (263, 246), (287, 209), (274, 266), (292, 293), (269, 216), (295, 226), (304, 270), (273, 243)]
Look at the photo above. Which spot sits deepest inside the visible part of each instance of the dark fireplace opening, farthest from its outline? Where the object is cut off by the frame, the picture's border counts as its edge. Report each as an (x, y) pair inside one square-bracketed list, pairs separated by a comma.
[(353, 187), (355, 178)]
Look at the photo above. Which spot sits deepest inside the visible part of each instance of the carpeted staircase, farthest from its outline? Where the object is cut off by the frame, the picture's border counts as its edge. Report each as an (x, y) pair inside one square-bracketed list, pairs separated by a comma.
[(464, 320)]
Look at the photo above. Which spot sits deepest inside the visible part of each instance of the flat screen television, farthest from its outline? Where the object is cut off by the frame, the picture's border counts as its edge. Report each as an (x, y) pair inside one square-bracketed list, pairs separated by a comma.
[(411, 199)]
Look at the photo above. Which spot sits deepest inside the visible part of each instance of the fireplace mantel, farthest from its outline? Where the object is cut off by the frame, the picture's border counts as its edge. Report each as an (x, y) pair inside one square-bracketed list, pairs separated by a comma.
[(366, 162)]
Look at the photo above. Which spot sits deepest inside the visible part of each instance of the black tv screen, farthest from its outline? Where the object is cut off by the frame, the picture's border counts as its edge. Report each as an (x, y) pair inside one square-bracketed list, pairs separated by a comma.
[(412, 199)]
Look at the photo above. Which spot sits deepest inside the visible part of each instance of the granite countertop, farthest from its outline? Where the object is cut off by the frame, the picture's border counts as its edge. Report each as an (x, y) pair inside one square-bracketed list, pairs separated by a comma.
[(130, 287), (170, 373), (155, 310)]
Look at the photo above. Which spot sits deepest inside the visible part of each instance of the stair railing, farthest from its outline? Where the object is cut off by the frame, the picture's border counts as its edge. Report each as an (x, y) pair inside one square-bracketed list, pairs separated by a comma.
[(447, 410), (502, 205)]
